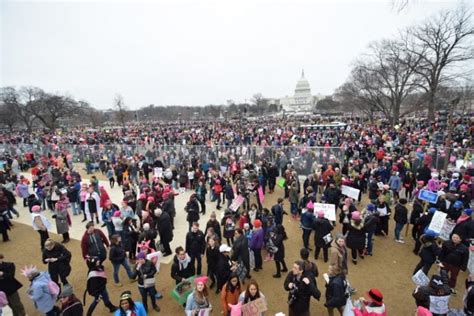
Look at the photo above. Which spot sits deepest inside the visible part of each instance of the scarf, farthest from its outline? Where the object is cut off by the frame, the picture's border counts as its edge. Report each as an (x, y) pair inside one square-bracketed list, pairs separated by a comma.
[(183, 264), (462, 218)]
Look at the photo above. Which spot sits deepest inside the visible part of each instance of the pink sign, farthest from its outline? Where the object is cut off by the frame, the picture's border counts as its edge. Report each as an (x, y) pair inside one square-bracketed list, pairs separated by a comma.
[(261, 196), (237, 203)]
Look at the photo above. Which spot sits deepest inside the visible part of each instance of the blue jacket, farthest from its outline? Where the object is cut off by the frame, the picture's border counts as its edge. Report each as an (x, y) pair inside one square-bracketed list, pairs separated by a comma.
[(307, 220), (40, 293), (139, 310)]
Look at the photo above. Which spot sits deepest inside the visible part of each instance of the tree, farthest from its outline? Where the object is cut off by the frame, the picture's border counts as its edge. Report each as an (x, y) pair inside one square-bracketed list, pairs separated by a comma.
[(258, 99), (95, 117), (51, 108), (327, 104), (8, 116), (441, 44), (120, 109), (22, 102)]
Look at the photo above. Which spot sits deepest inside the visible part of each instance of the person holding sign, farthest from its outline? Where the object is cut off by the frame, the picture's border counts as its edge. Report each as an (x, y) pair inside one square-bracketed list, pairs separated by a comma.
[(435, 295), (199, 298), (465, 226), (253, 294), (454, 256), (429, 252), (322, 236)]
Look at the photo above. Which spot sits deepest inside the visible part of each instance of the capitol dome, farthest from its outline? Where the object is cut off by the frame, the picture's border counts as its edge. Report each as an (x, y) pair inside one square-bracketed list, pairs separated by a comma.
[(302, 85)]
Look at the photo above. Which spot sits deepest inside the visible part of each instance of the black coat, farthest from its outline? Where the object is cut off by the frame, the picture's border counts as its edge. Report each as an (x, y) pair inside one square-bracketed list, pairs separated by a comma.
[(321, 227), (117, 253), (336, 291), (302, 293), (401, 214), (223, 270), (278, 242), (168, 207), (193, 211), (356, 236), (178, 274), (146, 271), (165, 228), (465, 230), (429, 251), (212, 257), (62, 265), (216, 226), (73, 308), (456, 255), (240, 251), (8, 283), (195, 243)]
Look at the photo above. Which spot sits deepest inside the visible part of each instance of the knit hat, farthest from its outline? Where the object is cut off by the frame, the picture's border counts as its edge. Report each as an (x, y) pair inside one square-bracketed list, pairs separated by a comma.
[(151, 199), (355, 215), (310, 205), (257, 223), (431, 234), (142, 196), (376, 296), (30, 272), (67, 291), (458, 204), (36, 209), (320, 214), (463, 187), (423, 311), (432, 210), (468, 211), (141, 255), (202, 279), (117, 213), (370, 207), (467, 177)]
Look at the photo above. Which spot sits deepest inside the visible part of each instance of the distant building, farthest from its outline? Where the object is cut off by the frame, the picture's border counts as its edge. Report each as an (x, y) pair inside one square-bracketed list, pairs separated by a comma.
[(302, 100)]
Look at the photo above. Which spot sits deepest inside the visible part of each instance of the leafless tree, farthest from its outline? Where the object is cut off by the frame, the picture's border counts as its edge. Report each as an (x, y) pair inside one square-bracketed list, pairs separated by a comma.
[(22, 102), (8, 116), (120, 109), (443, 43)]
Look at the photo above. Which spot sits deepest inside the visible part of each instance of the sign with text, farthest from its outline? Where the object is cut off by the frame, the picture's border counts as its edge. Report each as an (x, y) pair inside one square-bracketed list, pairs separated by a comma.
[(261, 196), (428, 196), (447, 229), (328, 209), (236, 203), (420, 278), (254, 308), (437, 222), (350, 192)]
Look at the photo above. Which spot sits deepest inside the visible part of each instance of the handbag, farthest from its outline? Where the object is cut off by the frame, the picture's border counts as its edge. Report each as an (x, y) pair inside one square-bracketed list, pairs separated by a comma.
[(149, 282)]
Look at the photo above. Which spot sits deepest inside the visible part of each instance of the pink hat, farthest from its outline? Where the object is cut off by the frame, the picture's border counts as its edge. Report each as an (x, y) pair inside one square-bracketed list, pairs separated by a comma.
[(320, 214), (355, 215), (142, 196), (423, 311), (151, 199), (108, 203), (202, 279), (463, 187), (117, 214), (420, 182), (310, 205), (36, 208), (444, 185)]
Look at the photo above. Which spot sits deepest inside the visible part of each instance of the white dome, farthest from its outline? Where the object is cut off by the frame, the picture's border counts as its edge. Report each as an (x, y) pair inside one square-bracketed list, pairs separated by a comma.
[(303, 85)]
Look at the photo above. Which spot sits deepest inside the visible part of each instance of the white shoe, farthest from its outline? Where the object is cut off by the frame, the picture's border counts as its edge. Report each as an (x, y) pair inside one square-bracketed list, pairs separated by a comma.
[(401, 241)]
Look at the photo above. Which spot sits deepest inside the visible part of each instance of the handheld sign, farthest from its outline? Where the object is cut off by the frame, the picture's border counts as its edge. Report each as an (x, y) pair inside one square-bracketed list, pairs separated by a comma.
[(328, 209), (428, 196), (261, 196), (255, 307), (437, 222), (237, 203), (350, 192), (420, 278)]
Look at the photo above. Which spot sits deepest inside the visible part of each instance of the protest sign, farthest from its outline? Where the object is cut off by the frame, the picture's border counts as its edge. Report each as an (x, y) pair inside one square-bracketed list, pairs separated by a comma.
[(261, 196), (439, 304), (236, 203), (158, 172), (437, 222), (420, 278), (350, 192), (328, 209), (428, 196), (199, 312), (254, 308), (470, 263), (447, 229)]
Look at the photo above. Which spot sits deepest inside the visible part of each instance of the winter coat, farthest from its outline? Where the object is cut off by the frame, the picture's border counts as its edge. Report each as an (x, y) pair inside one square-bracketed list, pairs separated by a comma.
[(94, 249), (277, 211), (223, 270), (465, 230), (73, 308), (139, 310), (229, 226), (356, 236), (229, 297), (117, 253), (22, 190), (216, 226), (240, 251), (429, 251), (307, 220), (456, 255), (212, 257), (193, 211), (195, 243), (192, 304), (401, 214), (62, 265), (321, 227), (279, 243), (61, 217), (179, 272), (168, 207), (370, 222), (302, 293), (336, 291), (164, 228), (257, 241), (73, 192), (145, 271), (40, 293), (8, 283), (338, 257)]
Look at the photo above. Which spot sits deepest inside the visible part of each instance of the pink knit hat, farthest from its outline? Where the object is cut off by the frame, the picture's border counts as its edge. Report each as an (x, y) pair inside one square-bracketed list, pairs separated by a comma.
[(202, 279), (36, 209)]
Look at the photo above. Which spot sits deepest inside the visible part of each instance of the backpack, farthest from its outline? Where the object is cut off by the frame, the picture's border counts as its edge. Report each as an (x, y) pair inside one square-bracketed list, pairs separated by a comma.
[(96, 283), (53, 288)]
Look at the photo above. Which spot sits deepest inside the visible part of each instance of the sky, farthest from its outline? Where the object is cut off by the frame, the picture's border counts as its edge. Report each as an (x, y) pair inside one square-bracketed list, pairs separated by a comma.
[(198, 52)]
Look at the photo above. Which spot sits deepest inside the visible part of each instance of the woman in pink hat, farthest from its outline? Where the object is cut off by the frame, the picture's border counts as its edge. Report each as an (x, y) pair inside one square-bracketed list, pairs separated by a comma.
[(199, 298), (356, 236)]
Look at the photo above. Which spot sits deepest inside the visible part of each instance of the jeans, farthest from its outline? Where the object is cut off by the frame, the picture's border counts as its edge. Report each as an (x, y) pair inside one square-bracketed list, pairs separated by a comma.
[(116, 266), (398, 230), (75, 208), (294, 208), (145, 292), (370, 242), (306, 235), (199, 264)]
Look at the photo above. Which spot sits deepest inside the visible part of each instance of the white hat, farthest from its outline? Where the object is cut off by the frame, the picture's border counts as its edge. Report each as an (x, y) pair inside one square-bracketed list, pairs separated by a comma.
[(224, 248)]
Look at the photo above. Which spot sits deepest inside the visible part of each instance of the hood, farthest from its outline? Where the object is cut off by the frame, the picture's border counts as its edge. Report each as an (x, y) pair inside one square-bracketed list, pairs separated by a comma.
[(358, 227)]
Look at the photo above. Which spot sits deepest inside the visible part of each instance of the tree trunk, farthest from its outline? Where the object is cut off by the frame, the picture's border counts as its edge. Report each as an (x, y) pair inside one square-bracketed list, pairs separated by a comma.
[(431, 106)]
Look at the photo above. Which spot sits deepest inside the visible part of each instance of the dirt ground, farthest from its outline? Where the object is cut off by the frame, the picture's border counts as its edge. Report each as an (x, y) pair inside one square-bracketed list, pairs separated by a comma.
[(389, 270)]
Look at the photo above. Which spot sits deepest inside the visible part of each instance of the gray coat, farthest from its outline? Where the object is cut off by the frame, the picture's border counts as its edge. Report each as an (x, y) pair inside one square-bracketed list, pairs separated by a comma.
[(61, 222)]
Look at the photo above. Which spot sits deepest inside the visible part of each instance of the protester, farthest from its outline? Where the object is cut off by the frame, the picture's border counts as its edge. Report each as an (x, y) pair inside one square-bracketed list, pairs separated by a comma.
[(118, 257), (230, 293), (58, 259), (70, 305), (145, 272), (10, 286), (41, 291), (182, 268), (128, 307), (335, 290), (301, 289), (94, 243), (199, 298), (372, 306), (41, 224)]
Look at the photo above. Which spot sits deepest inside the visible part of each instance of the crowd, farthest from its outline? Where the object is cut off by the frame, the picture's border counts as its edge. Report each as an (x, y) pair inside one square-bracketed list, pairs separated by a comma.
[(391, 168)]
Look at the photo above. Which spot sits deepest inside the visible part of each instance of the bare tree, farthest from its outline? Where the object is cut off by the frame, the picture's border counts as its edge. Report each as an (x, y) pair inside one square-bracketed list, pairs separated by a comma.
[(8, 116), (442, 43), (22, 102), (120, 109), (258, 99)]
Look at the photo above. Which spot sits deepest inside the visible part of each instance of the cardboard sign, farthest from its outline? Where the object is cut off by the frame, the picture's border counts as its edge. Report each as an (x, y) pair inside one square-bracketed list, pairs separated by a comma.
[(470, 263), (420, 278), (329, 210), (447, 229), (428, 196), (254, 308), (236, 203), (437, 221), (350, 192), (261, 196), (200, 312), (439, 304)]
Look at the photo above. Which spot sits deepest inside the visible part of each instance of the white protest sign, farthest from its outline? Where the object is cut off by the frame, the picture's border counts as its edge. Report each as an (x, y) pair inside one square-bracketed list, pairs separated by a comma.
[(328, 209), (439, 304), (447, 229), (437, 221), (350, 192), (420, 278), (470, 263), (158, 172)]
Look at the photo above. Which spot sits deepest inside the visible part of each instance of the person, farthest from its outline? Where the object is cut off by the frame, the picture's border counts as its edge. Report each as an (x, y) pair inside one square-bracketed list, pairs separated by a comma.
[(454, 257), (229, 227), (212, 257), (322, 236), (465, 226), (214, 223), (5, 224), (165, 229), (356, 236), (300, 288), (224, 266), (58, 259), (383, 209), (92, 204), (277, 236), (338, 255), (181, 268), (310, 268), (118, 257), (371, 221), (192, 208), (199, 298), (437, 291), (469, 296), (62, 218), (277, 211), (257, 242), (240, 250), (94, 243), (252, 293), (69, 304), (335, 290), (145, 272), (127, 307), (41, 291), (97, 285), (41, 224), (196, 246), (401, 219), (307, 221), (372, 306), (201, 193), (10, 286), (429, 252), (230, 293)]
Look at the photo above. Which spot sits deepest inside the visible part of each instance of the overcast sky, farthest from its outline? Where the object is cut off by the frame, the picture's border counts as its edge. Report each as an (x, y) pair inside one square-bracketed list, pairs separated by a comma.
[(195, 52)]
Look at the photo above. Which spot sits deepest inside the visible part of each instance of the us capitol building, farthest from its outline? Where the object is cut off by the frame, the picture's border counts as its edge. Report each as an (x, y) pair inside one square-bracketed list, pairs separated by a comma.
[(301, 101)]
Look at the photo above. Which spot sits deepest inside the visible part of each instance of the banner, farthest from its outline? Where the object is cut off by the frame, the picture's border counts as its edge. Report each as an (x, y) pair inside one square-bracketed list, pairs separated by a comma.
[(437, 222), (254, 308), (329, 210), (428, 196), (447, 229), (350, 192), (439, 304), (236, 203), (158, 172), (261, 196)]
